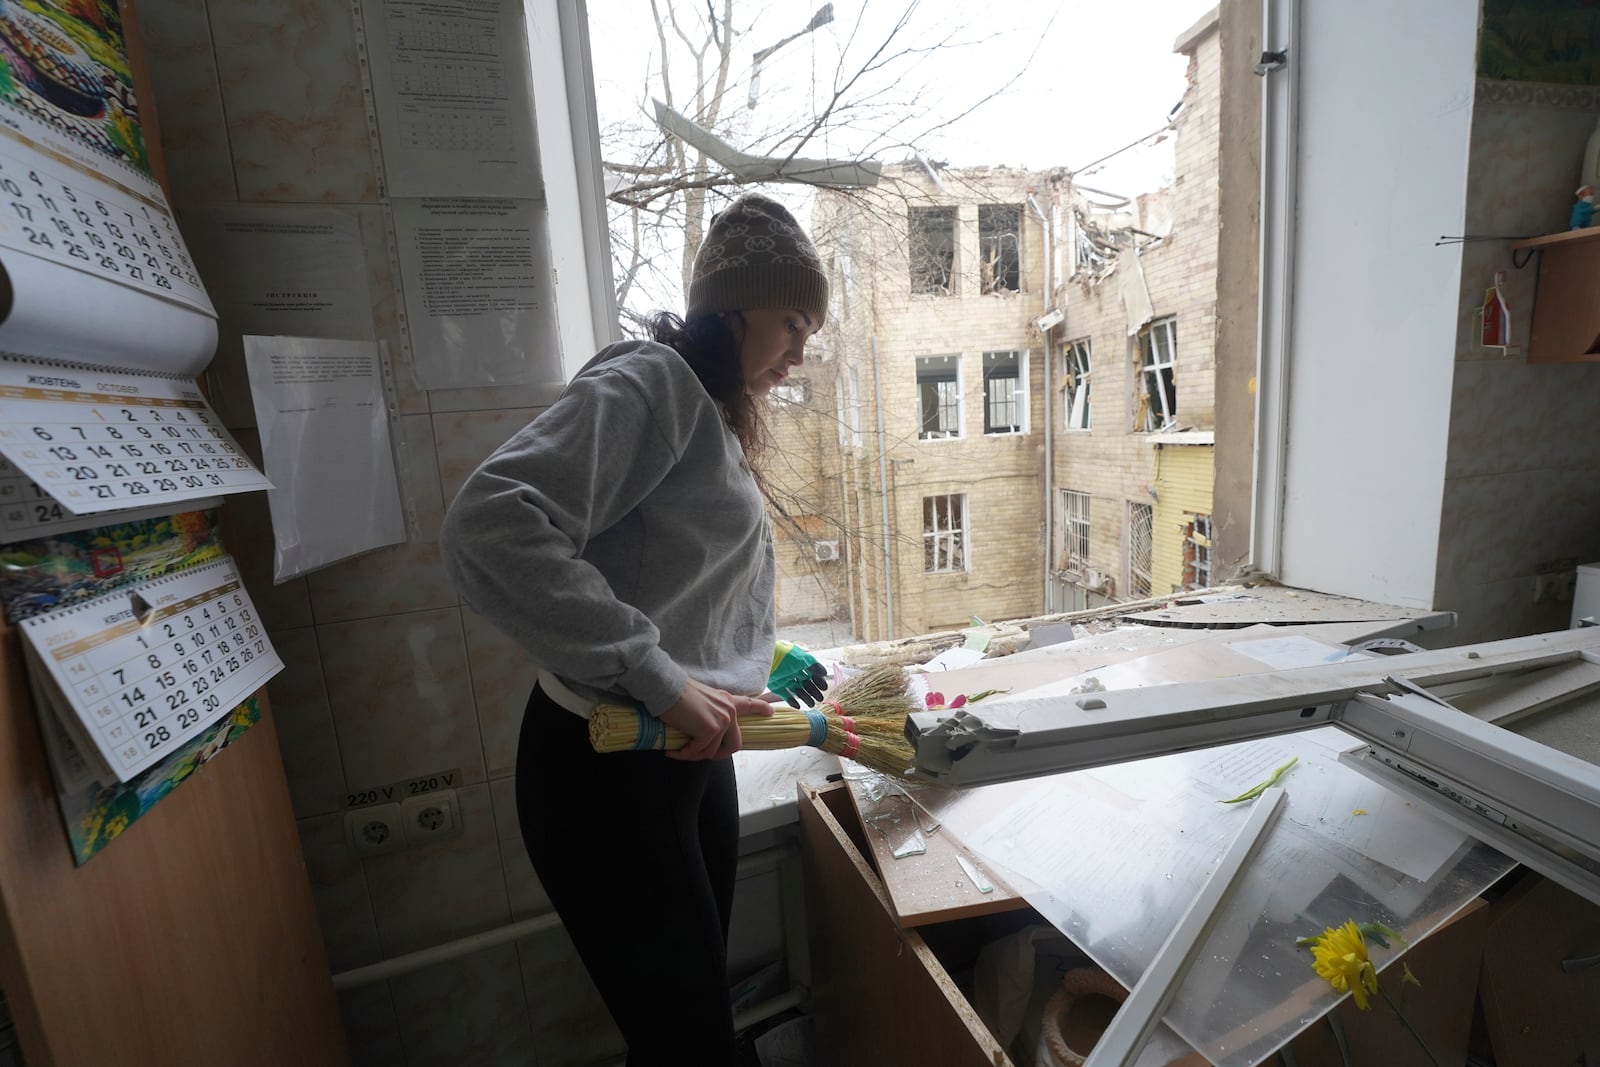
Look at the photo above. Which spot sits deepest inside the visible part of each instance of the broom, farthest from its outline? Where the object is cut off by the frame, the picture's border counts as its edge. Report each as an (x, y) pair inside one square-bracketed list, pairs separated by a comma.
[(864, 721)]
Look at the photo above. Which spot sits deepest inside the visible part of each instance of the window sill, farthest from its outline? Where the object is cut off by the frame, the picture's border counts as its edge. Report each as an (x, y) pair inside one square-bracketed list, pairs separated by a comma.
[(1179, 437)]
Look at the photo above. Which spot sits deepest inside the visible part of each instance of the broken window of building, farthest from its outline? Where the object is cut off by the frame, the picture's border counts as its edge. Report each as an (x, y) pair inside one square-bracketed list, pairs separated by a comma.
[(793, 391), (931, 239), (1000, 248), (1005, 398), (1141, 522), (1075, 531), (1075, 383), (1158, 356), (1197, 552), (944, 523), (938, 396)]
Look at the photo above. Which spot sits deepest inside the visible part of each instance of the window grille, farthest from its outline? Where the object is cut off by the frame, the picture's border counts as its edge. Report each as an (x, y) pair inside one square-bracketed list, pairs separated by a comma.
[(1140, 525)]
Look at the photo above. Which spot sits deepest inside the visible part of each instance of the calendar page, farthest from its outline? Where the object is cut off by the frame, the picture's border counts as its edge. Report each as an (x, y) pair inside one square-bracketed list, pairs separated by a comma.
[(27, 511), (152, 665), (100, 441), (75, 181)]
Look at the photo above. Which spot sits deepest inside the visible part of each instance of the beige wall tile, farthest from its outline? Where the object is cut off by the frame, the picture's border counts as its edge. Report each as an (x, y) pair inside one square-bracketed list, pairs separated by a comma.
[(183, 75), (571, 1026), (502, 678), (465, 439), (401, 697), (388, 581), (466, 1011), (430, 894), (292, 92), (371, 1026), (339, 887), (305, 725)]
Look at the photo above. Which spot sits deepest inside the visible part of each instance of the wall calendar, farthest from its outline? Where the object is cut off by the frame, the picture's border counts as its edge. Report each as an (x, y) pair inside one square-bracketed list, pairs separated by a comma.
[(100, 441), (136, 673)]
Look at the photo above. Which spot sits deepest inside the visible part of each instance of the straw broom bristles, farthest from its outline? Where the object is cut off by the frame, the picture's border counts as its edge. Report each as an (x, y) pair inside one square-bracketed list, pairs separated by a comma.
[(864, 721)]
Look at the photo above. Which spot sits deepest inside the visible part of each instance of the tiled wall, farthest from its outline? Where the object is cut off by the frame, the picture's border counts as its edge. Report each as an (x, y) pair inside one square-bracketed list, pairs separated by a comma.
[(388, 676), (1522, 474)]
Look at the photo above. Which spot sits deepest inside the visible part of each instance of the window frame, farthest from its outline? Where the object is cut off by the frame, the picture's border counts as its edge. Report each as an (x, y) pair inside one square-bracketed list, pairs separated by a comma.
[(1018, 366), (953, 538), (924, 270), (1075, 530), (927, 372), (1080, 351), (1137, 589), (1151, 367), (1197, 541), (991, 243)]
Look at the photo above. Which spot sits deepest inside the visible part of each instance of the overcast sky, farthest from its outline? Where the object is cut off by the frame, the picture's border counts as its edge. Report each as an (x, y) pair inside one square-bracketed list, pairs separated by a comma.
[(1102, 74)]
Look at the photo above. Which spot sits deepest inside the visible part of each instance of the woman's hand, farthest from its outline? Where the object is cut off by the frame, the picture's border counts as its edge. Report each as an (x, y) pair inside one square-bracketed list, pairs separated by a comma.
[(710, 717)]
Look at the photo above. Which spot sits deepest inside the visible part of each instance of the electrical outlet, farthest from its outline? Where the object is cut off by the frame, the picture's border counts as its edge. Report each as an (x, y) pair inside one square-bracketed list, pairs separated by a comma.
[(431, 817), (375, 830)]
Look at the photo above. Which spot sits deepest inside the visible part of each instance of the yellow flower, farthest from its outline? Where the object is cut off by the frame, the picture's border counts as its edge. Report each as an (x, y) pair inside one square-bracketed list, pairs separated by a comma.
[(1340, 957)]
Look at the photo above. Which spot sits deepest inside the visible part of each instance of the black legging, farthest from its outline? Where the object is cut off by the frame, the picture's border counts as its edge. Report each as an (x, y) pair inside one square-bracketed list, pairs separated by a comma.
[(637, 854)]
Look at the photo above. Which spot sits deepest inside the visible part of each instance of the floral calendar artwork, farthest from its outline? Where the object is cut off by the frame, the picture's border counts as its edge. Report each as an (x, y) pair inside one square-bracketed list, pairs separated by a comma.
[(65, 575)]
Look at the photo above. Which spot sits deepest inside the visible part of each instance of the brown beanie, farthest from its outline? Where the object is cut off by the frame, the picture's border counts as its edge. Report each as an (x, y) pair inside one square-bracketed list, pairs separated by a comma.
[(755, 255)]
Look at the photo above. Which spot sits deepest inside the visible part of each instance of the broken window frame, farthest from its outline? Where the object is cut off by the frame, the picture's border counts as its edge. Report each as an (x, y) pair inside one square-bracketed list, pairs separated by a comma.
[(1075, 369), (1075, 530), (931, 250), (1141, 549), (1158, 375), (1007, 372), (938, 381), (1197, 551), (944, 533), (999, 248)]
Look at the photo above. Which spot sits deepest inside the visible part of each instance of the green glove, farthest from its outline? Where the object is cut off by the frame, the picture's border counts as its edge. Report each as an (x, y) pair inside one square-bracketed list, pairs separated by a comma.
[(796, 675)]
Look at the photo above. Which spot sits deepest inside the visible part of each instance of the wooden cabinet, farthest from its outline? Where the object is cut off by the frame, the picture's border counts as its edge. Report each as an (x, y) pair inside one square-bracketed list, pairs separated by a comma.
[(881, 993), (1566, 308)]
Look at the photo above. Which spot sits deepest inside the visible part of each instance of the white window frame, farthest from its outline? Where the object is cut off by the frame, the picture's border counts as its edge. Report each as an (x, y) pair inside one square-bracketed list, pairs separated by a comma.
[(944, 543), (1152, 362), (1019, 394), (1075, 530), (1140, 580), (1076, 366), (942, 369), (1197, 573), (847, 401)]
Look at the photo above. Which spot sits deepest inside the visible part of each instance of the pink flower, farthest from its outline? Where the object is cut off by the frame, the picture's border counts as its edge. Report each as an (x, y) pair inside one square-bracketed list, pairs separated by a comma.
[(934, 701), (961, 698)]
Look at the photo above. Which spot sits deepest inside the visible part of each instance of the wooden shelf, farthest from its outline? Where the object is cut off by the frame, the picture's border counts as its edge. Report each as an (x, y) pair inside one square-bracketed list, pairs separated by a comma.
[(1565, 326), (1565, 236)]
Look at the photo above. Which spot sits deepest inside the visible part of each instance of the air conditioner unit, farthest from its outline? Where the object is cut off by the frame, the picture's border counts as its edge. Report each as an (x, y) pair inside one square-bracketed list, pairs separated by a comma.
[(1092, 578), (826, 551)]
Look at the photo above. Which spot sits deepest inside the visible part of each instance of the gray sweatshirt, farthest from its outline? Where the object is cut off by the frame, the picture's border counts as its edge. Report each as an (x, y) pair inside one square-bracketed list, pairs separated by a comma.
[(620, 538)]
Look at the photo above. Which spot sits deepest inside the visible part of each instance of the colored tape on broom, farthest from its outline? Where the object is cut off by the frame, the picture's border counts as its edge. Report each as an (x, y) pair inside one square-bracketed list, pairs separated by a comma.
[(819, 728), (652, 733), (852, 745), (844, 720)]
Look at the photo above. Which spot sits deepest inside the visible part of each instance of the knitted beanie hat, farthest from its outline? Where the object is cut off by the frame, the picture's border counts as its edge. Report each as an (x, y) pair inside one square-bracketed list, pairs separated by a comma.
[(755, 255)]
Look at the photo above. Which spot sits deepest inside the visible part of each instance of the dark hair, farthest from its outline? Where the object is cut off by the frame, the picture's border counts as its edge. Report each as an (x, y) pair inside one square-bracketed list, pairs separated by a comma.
[(712, 351)]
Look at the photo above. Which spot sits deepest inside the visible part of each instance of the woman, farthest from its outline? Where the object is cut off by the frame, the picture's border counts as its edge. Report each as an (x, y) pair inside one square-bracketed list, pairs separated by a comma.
[(621, 538)]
